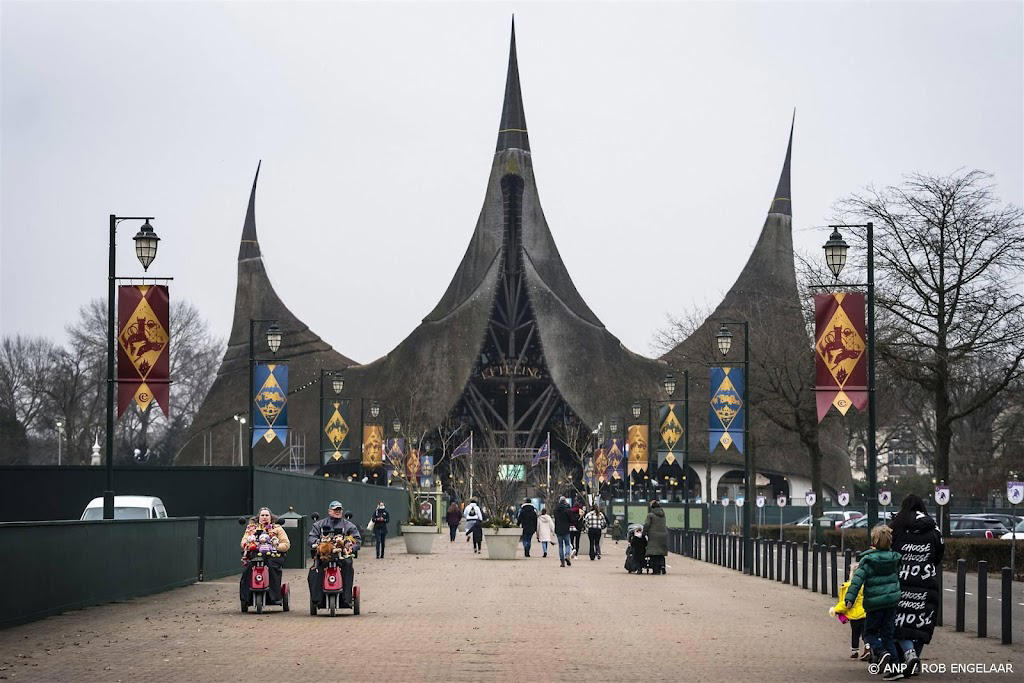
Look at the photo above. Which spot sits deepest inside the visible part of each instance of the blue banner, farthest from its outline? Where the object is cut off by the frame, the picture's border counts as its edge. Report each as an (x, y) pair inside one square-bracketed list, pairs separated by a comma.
[(270, 399), (426, 471), (725, 416), (394, 454)]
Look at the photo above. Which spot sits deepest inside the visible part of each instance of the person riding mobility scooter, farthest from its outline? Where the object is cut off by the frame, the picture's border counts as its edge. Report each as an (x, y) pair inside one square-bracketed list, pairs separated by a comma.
[(333, 541), (264, 545)]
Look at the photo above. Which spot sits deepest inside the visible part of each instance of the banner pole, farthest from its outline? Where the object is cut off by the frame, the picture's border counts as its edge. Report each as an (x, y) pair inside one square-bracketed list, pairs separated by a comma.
[(471, 464)]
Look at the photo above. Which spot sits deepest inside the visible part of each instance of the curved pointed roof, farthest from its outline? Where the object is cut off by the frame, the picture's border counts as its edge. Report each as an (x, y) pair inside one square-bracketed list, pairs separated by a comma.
[(306, 352), (590, 367), (766, 295)]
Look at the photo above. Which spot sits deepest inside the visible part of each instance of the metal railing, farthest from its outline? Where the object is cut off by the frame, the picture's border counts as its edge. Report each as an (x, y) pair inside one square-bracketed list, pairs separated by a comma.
[(815, 567)]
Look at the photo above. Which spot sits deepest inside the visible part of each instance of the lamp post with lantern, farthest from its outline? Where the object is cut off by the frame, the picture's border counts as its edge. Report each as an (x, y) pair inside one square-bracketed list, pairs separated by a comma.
[(669, 384), (146, 243), (274, 338), (337, 385), (724, 340), (835, 258)]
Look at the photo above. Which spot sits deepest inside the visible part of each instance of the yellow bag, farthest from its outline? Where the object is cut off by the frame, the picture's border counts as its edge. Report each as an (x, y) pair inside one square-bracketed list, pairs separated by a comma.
[(857, 611)]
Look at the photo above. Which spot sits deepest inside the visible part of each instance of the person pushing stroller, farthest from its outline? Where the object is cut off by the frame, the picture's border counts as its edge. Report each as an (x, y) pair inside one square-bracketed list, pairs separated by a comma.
[(636, 550)]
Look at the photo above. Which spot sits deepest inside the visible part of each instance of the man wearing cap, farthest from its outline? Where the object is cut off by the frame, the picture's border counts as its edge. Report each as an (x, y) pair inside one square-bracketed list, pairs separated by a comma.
[(334, 524)]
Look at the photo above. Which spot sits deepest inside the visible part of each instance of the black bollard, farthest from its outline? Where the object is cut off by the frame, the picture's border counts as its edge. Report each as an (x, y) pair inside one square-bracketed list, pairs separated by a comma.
[(771, 559), (938, 617), (757, 557), (804, 544), (824, 569), (982, 599), (764, 563), (1007, 604), (814, 568), (796, 571), (961, 580), (778, 563), (847, 562), (833, 559)]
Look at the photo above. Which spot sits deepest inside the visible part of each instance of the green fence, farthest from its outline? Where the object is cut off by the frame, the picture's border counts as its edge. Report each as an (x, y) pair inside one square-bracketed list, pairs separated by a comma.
[(305, 494), (59, 566), (636, 513), (221, 553)]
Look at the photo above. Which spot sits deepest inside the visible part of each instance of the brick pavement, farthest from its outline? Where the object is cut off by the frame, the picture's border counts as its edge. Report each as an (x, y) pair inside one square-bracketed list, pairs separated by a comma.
[(454, 616)]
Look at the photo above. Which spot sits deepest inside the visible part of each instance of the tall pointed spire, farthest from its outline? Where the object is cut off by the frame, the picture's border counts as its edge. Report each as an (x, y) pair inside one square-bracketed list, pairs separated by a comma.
[(250, 246), (512, 129), (783, 201)]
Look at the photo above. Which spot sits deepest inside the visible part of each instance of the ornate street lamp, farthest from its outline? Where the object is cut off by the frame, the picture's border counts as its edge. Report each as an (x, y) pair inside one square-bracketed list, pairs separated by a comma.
[(374, 409), (146, 242), (274, 338), (396, 424), (835, 252), (724, 338), (835, 258), (636, 410), (670, 384), (338, 384)]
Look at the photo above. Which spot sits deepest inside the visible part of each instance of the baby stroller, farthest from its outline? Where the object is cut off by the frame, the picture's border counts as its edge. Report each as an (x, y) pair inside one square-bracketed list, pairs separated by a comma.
[(636, 550)]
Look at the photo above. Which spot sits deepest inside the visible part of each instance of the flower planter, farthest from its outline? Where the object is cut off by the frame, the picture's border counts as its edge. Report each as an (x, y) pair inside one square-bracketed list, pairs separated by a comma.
[(502, 543), (419, 540)]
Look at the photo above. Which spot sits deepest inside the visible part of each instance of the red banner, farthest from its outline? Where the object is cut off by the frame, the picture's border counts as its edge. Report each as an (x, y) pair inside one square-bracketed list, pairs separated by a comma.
[(143, 346), (841, 377)]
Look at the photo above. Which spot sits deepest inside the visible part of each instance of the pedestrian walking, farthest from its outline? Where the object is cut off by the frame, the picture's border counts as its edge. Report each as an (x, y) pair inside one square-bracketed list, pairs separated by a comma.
[(576, 513), (916, 537), (878, 575), (380, 520), (453, 517), (545, 530), (474, 524), (657, 537), (563, 522), (596, 523), (527, 518)]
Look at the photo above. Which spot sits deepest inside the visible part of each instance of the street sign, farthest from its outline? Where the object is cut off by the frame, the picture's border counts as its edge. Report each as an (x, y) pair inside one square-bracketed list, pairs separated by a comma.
[(781, 501), (760, 501), (884, 497), (810, 498), (739, 501), (843, 498), (942, 494), (1015, 492), (725, 501)]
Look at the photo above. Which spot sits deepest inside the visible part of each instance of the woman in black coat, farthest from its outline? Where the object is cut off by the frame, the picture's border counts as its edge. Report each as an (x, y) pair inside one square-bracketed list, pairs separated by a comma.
[(917, 539)]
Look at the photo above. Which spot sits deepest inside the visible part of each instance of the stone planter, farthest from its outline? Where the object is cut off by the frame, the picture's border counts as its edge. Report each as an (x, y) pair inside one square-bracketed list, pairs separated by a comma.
[(502, 543), (419, 540)]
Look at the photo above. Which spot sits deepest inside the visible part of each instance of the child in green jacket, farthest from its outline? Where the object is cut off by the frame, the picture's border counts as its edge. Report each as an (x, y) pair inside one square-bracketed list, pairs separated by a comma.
[(878, 576)]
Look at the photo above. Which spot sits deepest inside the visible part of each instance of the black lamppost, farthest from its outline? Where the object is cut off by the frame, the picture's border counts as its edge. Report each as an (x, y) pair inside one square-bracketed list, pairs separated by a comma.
[(724, 339), (146, 243), (670, 389), (273, 343), (337, 384), (613, 433), (835, 257)]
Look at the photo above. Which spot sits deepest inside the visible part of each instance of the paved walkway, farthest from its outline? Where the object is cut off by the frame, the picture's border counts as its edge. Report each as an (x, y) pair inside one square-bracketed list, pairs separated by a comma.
[(455, 616)]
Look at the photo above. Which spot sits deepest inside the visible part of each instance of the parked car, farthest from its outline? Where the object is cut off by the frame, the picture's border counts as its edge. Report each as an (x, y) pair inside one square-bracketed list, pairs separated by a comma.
[(976, 526), (1009, 521), (128, 507), (839, 517), (862, 521), (1016, 534)]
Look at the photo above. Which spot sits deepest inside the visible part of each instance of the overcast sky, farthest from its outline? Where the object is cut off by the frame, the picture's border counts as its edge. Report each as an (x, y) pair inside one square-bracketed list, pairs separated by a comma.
[(658, 132)]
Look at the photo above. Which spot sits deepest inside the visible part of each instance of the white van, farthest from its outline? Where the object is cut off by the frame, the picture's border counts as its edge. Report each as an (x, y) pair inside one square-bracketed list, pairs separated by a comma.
[(128, 507)]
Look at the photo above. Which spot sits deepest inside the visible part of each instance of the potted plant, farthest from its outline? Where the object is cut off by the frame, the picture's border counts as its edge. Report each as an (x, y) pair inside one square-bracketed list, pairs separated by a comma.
[(419, 533), (498, 486)]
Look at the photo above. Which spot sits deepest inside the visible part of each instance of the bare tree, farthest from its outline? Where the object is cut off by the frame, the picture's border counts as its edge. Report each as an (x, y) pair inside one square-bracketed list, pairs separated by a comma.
[(497, 486), (948, 261), (26, 368)]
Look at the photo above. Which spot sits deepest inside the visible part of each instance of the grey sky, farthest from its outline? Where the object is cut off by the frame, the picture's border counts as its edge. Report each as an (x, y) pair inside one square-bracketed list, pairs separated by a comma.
[(658, 132)]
